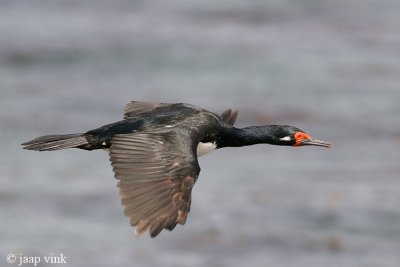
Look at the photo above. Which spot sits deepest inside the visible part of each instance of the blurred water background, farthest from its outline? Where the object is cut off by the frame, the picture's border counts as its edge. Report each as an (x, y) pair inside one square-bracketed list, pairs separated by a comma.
[(332, 68)]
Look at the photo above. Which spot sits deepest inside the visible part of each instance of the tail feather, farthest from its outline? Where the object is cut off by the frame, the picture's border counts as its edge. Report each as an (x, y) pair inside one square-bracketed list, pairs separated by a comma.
[(56, 142)]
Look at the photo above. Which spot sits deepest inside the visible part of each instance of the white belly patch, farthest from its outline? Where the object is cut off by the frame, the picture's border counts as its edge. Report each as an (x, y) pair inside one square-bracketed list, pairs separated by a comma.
[(204, 148)]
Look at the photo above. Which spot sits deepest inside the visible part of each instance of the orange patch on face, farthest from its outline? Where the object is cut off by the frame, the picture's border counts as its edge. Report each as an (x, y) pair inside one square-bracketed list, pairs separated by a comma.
[(300, 136)]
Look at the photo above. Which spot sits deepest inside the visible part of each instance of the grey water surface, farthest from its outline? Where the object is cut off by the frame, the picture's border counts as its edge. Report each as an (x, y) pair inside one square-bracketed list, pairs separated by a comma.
[(331, 68)]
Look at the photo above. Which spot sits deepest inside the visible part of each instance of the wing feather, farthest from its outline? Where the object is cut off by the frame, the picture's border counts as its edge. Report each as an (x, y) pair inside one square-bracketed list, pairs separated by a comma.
[(229, 116), (156, 173), (136, 108)]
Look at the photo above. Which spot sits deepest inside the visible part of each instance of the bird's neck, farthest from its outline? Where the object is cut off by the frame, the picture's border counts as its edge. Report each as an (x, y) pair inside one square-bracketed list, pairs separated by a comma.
[(236, 137)]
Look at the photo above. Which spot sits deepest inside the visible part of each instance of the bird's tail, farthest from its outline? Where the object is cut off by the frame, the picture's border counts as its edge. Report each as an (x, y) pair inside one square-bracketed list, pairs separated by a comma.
[(56, 142)]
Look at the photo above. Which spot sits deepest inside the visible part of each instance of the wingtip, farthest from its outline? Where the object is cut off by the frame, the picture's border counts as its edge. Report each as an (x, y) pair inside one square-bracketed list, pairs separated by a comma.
[(229, 116), (138, 233)]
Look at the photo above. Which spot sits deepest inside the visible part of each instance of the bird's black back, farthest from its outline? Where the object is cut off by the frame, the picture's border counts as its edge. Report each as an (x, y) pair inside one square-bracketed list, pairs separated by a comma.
[(180, 116)]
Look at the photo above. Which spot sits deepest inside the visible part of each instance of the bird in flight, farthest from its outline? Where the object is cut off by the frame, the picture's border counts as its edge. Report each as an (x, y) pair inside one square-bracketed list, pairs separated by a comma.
[(154, 151)]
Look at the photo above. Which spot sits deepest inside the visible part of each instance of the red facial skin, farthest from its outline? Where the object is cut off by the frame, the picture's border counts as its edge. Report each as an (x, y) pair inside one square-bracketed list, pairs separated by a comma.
[(300, 136)]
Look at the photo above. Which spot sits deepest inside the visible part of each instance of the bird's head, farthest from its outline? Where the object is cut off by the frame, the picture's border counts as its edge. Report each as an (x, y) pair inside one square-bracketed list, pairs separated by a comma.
[(291, 136)]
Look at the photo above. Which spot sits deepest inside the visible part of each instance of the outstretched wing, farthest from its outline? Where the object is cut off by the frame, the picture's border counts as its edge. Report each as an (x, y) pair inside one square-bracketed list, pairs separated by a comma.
[(135, 108), (156, 173), (229, 116)]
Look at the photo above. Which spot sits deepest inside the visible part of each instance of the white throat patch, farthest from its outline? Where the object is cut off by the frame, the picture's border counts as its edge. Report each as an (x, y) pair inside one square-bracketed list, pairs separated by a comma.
[(204, 148), (286, 138)]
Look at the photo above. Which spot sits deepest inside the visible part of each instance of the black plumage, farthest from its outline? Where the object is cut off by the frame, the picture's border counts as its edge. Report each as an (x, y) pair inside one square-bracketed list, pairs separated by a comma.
[(154, 151)]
